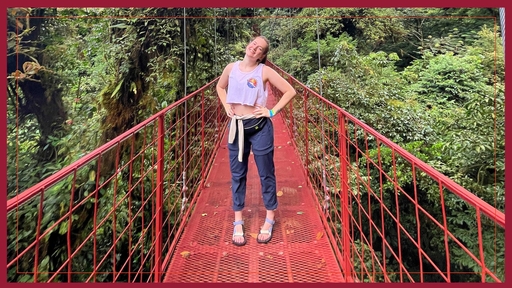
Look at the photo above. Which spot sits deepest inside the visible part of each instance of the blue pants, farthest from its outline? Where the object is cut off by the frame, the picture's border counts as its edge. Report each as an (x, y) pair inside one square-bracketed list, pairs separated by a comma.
[(261, 141)]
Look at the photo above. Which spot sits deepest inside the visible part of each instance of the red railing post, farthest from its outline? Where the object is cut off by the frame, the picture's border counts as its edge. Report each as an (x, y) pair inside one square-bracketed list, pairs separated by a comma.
[(218, 116), (306, 134), (292, 124), (203, 170), (345, 226), (159, 198)]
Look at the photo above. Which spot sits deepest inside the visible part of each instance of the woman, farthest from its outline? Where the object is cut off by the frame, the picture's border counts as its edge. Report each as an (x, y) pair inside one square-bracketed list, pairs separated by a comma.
[(251, 128)]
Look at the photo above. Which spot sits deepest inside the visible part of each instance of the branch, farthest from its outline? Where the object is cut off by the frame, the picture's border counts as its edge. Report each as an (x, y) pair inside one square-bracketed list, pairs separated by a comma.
[(12, 93)]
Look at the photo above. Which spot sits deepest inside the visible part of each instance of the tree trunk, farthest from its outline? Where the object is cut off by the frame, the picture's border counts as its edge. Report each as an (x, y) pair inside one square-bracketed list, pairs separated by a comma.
[(40, 96)]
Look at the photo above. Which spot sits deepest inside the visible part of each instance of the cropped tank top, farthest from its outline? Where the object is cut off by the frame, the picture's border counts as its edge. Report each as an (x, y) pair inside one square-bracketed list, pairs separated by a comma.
[(246, 88)]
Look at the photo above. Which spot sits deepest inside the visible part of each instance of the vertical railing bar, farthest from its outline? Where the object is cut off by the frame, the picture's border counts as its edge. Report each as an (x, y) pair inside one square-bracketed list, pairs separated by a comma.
[(70, 221), (418, 221), (344, 191), (186, 110), (114, 204), (368, 178), (306, 132), (397, 203), (95, 221), (203, 149), (445, 228), (480, 244), (154, 204), (130, 179), (38, 233), (159, 198), (385, 272), (142, 190), (291, 118)]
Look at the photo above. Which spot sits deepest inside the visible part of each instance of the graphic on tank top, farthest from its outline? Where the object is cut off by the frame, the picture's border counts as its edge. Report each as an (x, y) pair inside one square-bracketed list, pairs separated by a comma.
[(252, 83)]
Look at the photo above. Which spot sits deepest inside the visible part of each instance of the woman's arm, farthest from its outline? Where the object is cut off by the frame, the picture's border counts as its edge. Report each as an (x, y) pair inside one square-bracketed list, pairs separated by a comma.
[(282, 85), (221, 88)]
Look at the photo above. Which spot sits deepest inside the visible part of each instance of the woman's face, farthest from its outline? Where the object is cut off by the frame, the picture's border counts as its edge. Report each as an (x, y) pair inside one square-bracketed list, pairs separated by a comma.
[(256, 48)]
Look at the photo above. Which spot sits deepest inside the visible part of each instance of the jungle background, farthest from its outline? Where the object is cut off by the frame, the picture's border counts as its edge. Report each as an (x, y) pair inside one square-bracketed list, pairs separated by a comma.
[(430, 79)]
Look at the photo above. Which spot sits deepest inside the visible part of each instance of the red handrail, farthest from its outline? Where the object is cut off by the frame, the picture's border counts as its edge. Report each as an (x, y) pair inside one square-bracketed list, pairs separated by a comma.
[(323, 133), (156, 202), (460, 191)]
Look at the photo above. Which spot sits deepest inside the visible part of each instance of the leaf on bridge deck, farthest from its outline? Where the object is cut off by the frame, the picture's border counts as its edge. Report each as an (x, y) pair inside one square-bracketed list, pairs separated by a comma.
[(321, 264), (319, 235), (185, 254), (279, 193)]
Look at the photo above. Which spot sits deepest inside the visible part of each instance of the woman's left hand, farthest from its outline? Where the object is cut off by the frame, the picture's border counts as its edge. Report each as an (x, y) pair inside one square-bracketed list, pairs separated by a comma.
[(261, 111)]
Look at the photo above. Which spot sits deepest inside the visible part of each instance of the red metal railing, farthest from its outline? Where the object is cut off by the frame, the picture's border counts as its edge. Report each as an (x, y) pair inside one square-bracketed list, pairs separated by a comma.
[(365, 185), (124, 202)]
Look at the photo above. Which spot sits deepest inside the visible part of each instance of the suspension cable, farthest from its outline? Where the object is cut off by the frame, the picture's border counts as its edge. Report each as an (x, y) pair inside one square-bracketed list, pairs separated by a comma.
[(495, 140), (272, 25), (290, 24), (215, 41), (291, 29), (502, 28), (318, 49), (324, 184), (184, 189)]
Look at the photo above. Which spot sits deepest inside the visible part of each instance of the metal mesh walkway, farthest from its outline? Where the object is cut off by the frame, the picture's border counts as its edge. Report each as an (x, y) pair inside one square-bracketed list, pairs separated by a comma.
[(298, 251)]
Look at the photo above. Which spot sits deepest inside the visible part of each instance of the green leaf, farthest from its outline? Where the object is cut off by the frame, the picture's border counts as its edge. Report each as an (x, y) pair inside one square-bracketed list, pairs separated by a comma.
[(92, 175), (121, 25), (63, 228), (114, 93)]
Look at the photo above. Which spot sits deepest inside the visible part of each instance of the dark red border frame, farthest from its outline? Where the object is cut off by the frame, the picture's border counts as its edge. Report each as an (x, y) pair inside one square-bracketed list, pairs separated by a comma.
[(235, 3)]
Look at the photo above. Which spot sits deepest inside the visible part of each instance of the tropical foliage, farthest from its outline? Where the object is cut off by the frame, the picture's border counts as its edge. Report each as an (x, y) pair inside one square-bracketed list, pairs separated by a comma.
[(431, 80)]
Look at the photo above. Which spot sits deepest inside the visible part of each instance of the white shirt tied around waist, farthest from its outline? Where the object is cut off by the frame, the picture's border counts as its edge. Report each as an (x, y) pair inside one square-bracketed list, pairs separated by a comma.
[(236, 122)]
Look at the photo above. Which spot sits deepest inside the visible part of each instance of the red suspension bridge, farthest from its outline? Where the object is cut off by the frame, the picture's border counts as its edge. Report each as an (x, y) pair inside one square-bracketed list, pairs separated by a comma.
[(157, 199)]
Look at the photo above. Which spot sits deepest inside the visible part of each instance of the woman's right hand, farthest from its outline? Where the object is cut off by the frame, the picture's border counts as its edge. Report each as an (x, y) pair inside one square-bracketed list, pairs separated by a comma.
[(229, 110)]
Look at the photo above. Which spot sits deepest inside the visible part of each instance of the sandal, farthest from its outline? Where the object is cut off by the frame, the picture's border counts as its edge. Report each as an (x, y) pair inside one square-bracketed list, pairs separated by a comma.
[(239, 222), (269, 232)]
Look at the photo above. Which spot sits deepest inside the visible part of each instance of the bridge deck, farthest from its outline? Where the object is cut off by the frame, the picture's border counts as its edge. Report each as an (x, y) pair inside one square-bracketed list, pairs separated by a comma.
[(298, 251)]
